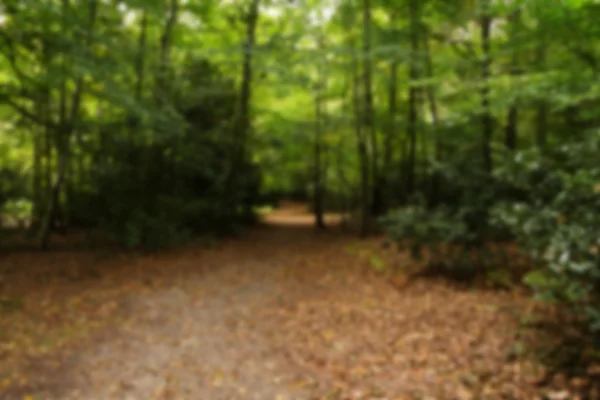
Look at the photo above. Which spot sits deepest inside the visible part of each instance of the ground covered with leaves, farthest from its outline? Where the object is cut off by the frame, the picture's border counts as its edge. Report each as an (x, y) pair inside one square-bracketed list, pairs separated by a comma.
[(284, 312)]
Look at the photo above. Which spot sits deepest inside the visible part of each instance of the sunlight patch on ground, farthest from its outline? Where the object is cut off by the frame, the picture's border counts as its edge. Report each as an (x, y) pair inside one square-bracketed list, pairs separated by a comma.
[(297, 214)]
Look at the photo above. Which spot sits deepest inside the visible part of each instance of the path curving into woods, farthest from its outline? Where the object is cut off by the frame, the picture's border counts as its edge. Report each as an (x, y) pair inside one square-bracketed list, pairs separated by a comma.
[(283, 313)]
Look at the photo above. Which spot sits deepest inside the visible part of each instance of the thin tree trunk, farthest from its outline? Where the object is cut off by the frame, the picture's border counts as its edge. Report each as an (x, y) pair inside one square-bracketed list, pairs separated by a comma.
[(166, 39), (102, 141), (319, 168), (486, 118), (347, 190), (163, 95), (318, 195), (390, 134), (67, 193), (363, 155), (511, 133), (37, 175), (369, 112), (412, 98), (48, 156), (141, 56), (433, 110), (64, 133), (139, 84), (54, 198), (39, 149), (241, 125), (431, 96), (42, 150)]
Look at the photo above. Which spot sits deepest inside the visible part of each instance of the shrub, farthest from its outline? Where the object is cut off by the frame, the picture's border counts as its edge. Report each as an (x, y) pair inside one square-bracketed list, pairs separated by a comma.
[(558, 223), (549, 203)]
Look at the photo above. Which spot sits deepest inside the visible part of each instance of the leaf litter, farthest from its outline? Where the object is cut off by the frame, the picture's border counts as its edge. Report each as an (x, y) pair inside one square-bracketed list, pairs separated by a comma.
[(284, 313)]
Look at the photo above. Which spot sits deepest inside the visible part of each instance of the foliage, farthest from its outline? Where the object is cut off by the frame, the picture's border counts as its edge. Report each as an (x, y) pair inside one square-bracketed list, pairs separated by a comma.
[(557, 223), (549, 202), (463, 123)]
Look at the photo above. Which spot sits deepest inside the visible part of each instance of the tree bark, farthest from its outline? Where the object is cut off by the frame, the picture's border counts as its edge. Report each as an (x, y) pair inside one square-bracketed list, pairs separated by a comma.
[(412, 98), (389, 136), (363, 155), (140, 62), (162, 92), (37, 176), (318, 194), (318, 167), (486, 118), (511, 133), (369, 112), (433, 110), (241, 125)]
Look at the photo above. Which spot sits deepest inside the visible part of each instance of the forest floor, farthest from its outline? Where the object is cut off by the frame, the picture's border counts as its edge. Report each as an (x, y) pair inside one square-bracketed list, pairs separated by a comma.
[(284, 312)]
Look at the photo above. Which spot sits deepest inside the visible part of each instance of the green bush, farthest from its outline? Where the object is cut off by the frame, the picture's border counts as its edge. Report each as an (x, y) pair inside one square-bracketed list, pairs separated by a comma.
[(549, 203), (454, 231), (558, 223), (161, 190)]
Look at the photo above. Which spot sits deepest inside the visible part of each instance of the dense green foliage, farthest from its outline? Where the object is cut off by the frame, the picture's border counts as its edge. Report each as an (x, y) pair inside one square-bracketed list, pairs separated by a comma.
[(130, 128), (157, 120)]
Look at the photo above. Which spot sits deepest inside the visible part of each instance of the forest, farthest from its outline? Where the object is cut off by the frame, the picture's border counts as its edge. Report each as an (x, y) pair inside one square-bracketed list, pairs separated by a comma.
[(165, 148)]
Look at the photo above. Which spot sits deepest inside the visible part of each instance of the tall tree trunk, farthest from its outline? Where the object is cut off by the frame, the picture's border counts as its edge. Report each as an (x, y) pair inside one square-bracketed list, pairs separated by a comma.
[(369, 112), (390, 134), (37, 174), (381, 184), (64, 133), (319, 192), (433, 110), (42, 149), (363, 154), (412, 98), (141, 53), (166, 39), (511, 133), (163, 95), (140, 62), (48, 157), (97, 157), (319, 162), (54, 199), (241, 124), (431, 97), (486, 117), (347, 191)]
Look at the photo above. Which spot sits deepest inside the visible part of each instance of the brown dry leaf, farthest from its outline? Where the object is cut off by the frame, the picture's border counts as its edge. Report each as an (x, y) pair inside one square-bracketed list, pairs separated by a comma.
[(329, 334), (217, 378), (359, 371), (354, 330)]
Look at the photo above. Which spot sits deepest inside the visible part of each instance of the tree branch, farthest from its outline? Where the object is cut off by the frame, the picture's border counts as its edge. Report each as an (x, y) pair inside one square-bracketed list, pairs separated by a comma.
[(24, 111), (463, 49)]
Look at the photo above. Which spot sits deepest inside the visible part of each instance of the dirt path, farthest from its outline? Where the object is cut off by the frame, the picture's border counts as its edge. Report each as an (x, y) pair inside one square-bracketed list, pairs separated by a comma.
[(285, 313)]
